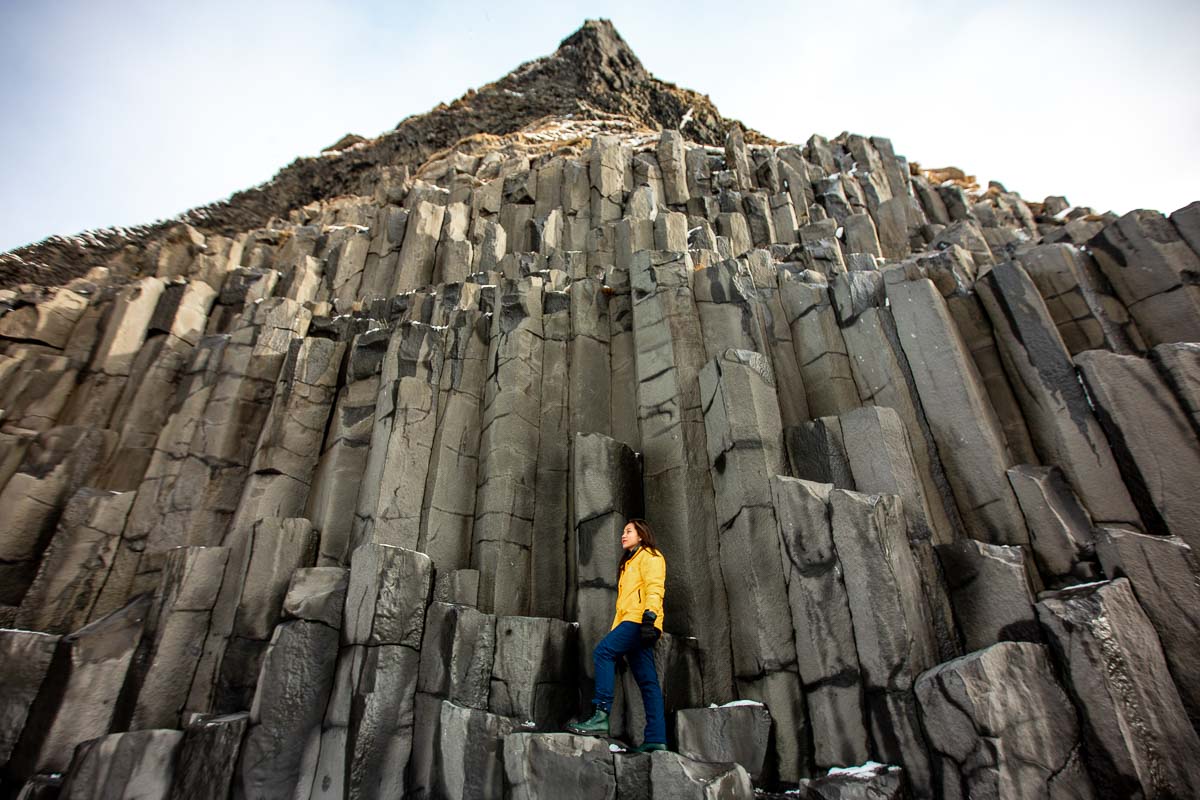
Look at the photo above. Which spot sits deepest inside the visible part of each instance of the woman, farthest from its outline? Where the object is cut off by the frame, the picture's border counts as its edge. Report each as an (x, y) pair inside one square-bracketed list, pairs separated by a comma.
[(636, 627)]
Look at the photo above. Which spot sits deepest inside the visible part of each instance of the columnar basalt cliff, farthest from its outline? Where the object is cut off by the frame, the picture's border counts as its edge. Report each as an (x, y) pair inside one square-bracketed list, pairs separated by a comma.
[(317, 492)]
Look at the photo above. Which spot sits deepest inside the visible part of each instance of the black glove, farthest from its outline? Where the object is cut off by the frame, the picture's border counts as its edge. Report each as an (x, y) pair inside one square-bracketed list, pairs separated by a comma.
[(649, 633)]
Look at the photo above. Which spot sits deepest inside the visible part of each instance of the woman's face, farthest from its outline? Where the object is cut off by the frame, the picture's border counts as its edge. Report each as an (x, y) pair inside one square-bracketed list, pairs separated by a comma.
[(630, 538)]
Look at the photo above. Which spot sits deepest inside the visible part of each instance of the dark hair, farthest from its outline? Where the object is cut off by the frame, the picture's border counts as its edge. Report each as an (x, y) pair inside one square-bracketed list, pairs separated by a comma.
[(646, 534)]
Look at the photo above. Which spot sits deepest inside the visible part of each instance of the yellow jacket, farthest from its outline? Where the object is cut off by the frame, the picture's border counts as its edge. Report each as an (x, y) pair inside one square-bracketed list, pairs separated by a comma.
[(640, 587)]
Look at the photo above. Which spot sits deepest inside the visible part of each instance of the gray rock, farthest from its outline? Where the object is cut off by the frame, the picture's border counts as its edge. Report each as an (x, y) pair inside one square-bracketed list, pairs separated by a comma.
[(208, 754), (745, 450), (1148, 265), (817, 452), (607, 492), (457, 654), (676, 777), (76, 565), (892, 629), (727, 734), (676, 478), (533, 671), (969, 440), (976, 711), (1181, 365), (449, 492), (423, 228), (48, 318), (1087, 317), (1165, 577), (317, 594), (882, 462), (1060, 530), (24, 660), (861, 236), (389, 590), (540, 765), (979, 337), (1137, 735), (824, 632), (871, 781), (178, 624), (1152, 437), (672, 162), (57, 464), (1061, 423), (819, 349), (991, 596), (471, 752), (459, 586), (78, 698), (389, 505), (293, 685), (508, 448), (1187, 221), (140, 764), (334, 494)]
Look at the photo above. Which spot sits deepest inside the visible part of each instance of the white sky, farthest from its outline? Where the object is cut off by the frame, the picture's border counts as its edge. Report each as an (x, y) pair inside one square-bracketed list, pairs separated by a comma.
[(124, 113)]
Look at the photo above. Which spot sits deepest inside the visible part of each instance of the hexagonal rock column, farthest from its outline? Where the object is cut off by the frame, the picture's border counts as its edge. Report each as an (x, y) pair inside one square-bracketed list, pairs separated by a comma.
[(414, 269), (77, 563), (293, 687), (1137, 735), (338, 474), (745, 449), (733, 733), (538, 765), (1000, 724), (138, 764), (176, 632), (1149, 264), (78, 698), (366, 731), (393, 488), (24, 660), (1152, 437), (607, 492), (57, 464), (534, 671), (676, 478), (824, 631), (508, 448), (1061, 423), (1180, 363), (970, 442), (884, 379), (95, 399), (1165, 575), (457, 653), (1060, 530), (892, 630), (470, 753), (991, 595), (674, 777), (208, 755), (820, 351), (448, 508), (882, 462)]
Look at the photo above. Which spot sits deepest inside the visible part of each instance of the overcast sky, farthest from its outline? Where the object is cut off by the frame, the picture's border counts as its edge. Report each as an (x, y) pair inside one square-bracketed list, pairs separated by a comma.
[(124, 113)]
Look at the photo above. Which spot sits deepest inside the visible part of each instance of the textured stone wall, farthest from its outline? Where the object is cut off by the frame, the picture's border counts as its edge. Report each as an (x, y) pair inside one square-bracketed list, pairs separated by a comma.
[(332, 508)]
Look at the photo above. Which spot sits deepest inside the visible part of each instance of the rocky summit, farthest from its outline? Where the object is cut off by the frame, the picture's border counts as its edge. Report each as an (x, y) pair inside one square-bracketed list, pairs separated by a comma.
[(317, 492)]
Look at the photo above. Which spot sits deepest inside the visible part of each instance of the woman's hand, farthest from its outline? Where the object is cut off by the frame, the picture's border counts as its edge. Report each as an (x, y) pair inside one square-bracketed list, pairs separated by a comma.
[(649, 633)]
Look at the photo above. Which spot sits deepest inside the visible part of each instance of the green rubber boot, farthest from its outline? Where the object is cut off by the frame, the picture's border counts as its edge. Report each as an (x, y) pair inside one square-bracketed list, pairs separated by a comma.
[(596, 726), (649, 747)]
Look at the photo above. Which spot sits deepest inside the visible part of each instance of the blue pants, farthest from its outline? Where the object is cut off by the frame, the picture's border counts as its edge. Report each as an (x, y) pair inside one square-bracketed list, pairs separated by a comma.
[(625, 640)]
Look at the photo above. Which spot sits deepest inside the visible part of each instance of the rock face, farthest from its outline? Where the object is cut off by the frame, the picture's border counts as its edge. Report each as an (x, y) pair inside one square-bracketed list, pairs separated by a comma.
[(318, 493)]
